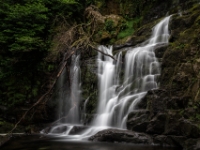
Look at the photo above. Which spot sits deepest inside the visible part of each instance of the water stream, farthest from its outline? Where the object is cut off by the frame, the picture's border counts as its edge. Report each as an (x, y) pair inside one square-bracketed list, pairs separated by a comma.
[(142, 68), (119, 90), (69, 99)]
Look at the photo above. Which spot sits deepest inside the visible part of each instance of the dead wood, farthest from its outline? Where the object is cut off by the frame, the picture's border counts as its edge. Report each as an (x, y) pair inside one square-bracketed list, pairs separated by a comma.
[(105, 53)]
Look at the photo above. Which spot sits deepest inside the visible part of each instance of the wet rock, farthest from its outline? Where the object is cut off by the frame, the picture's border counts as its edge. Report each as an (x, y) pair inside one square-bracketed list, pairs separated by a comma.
[(157, 124), (138, 120), (188, 112), (192, 144), (189, 129), (115, 135), (160, 50), (176, 125), (177, 102), (77, 129), (140, 127), (179, 140), (56, 129), (156, 101), (164, 140), (159, 100)]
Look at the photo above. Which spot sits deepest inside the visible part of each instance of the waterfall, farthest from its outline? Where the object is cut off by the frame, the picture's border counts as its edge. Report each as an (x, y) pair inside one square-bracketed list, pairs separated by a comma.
[(123, 82), (68, 98), (142, 68), (73, 115)]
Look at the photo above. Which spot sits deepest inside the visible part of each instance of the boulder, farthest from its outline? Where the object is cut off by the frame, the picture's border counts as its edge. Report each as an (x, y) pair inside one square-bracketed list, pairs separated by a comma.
[(171, 141), (116, 135), (138, 120), (157, 124), (192, 144)]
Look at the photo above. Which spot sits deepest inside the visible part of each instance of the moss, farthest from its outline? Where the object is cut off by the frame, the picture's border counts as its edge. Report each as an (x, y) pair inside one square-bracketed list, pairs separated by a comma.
[(126, 29), (129, 27), (195, 7), (180, 67), (109, 25)]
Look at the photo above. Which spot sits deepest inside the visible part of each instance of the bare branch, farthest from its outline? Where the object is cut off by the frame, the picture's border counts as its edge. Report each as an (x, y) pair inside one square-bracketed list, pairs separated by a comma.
[(104, 53)]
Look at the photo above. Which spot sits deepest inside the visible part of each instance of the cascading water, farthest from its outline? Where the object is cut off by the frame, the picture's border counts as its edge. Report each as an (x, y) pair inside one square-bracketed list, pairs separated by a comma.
[(118, 95), (73, 115), (141, 71), (69, 100)]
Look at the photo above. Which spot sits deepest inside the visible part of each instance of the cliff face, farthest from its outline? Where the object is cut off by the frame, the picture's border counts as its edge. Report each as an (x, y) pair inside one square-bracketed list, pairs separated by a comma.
[(172, 112), (173, 109)]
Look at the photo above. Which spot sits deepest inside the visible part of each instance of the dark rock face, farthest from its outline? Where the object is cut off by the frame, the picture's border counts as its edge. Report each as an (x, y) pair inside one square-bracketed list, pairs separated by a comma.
[(157, 6), (167, 126), (157, 124), (158, 118), (192, 144), (138, 120), (115, 135), (165, 140)]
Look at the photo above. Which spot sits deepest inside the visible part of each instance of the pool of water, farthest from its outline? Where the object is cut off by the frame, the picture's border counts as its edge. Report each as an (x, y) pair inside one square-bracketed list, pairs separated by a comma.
[(37, 142)]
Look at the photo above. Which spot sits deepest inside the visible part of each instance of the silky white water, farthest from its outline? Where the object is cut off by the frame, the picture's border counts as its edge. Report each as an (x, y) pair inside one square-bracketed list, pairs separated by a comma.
[(69, 100), (121, 90), (73, 115), (142, 68)]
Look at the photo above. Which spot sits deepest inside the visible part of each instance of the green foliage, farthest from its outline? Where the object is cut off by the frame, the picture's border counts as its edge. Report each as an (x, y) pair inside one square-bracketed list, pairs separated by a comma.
[(181, 46), (126, 29), (25, 40), (109, 25)]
